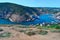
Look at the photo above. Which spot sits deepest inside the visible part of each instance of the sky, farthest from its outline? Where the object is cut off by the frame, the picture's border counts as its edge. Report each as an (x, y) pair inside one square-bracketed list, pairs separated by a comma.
[(35, 3)]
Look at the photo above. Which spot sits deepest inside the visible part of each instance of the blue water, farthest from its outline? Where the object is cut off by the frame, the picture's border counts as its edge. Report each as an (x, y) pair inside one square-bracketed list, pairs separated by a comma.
[(5, 21), (46, 18)]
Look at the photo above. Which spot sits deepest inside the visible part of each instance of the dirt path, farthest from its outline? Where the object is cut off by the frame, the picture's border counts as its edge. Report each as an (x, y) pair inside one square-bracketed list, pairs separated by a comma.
[(21, 36)]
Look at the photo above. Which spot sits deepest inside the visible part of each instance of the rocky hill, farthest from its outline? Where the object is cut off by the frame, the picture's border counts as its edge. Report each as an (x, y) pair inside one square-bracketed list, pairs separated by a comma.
[(18, 13)]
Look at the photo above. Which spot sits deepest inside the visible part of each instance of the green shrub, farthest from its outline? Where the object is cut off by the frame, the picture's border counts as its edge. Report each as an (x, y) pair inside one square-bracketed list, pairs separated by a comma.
[(42, 32), (55, 26), (22, 30), (5, 34), (30, 33), (57, 31), (1, 29), (58, 27)]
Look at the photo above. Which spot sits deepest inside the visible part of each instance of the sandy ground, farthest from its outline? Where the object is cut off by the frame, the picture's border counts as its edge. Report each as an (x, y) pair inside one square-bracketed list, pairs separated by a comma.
[(16, 35)]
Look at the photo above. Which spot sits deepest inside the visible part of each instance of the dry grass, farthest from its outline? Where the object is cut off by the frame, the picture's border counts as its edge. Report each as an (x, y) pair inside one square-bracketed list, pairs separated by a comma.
[(16, 35)]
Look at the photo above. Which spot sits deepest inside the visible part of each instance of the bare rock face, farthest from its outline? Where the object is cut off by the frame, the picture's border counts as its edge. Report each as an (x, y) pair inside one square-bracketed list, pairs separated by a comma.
[(58, 15), (16, 18)]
